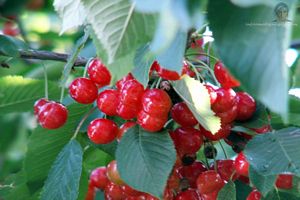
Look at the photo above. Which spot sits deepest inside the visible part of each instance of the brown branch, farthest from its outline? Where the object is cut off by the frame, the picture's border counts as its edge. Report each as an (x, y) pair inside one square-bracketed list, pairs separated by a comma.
[(48, 55)]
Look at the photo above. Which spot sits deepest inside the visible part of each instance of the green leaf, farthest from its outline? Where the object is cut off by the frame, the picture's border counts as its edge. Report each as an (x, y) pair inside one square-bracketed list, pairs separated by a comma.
[(83, 184), (263, 183), (121, 30), (228, 192), (273, 195), (18, 94), (121, 67), (94, 158), (145, 160), (148, 5), (44, 145), (171, 58), (64, 175), (247, 3), (108, 148), (242, 190), (142, 62), (197, 99), (276, 152), (71, 12), (244, 46), (10, 46)]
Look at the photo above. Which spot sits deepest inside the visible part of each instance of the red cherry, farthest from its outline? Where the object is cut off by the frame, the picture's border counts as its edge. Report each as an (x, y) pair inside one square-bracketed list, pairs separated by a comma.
[(226, 99), (221, 134), (102, 131), (209, 181), (254, 195), (90, 195), (113, 192), (244, 179), (224, 77), (186, 70), (191, 172), (229, 115), (83, 90), (187, 140), (284, 181), (241, 165), (113, 174), (212, 94), (182, 115), (263, 129), (165, 73), (98, 178), (108, 101), (120, 82), (131, 92), (226, 169), (156, 102), (10, 29), (52, 115), (128, 111), (98, 73), (246, 106), (150, 123), (124, 128), (129, 191), (189, 194), (210, 196), (38, 104)]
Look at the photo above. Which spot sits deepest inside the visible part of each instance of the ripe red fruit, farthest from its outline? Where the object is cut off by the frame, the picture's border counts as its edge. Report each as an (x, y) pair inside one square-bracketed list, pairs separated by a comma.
[(165, 73), (245, 106), (83, 90), (189, 194), (212, 94), (129, 191), (229, 115), (98, 73), (284, 181), (263, 129), (221, 134), (98, 178), (150, 123), (224, 77), (38, 104), (90, 195), (52, 115), (182, 115), (108, 101), (10, 29), (254, 195), (226, 169), (128, 111), (187, 140), (123, 129), (131, 92), (209, 181), (210, 196), (186, 70), (226, 99), (241, 165), (113, 174), (113, 192), (156, 102), (102, 131), (191, 172), (120, 82)]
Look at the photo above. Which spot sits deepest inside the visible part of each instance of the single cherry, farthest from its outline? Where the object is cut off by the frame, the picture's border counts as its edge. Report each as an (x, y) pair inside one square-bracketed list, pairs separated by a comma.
[(226, 99), (113, 173), (102, 131), (113, 192), (38, 104), (83, 90), (241, 165), (128, 111), (124, 128), (10, 29), (52, 115), (229, 115), (224, 77), (150, 123), (284, 181), (221, 134), (108, 101), (182, 115), (190, 194), (98, 178), (98, 73), (165, 73), (246, 106), (209, 181), (226, 169), (254, 195)]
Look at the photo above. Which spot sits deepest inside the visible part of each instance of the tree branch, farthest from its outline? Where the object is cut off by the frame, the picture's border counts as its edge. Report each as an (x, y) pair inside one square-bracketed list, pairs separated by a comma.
[(47, 55)]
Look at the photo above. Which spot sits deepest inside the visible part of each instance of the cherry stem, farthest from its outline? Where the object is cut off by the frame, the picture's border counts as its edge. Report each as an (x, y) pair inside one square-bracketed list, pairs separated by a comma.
[(214, 157), (46, 80), (202, 54), (158, 82), (210, 71), (62, 94), (199, 76), (86, 67), (82, 121), (223, 149)]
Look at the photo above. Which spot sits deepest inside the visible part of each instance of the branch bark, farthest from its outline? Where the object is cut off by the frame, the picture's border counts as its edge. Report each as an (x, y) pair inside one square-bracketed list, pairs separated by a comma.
[(48, 55)]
